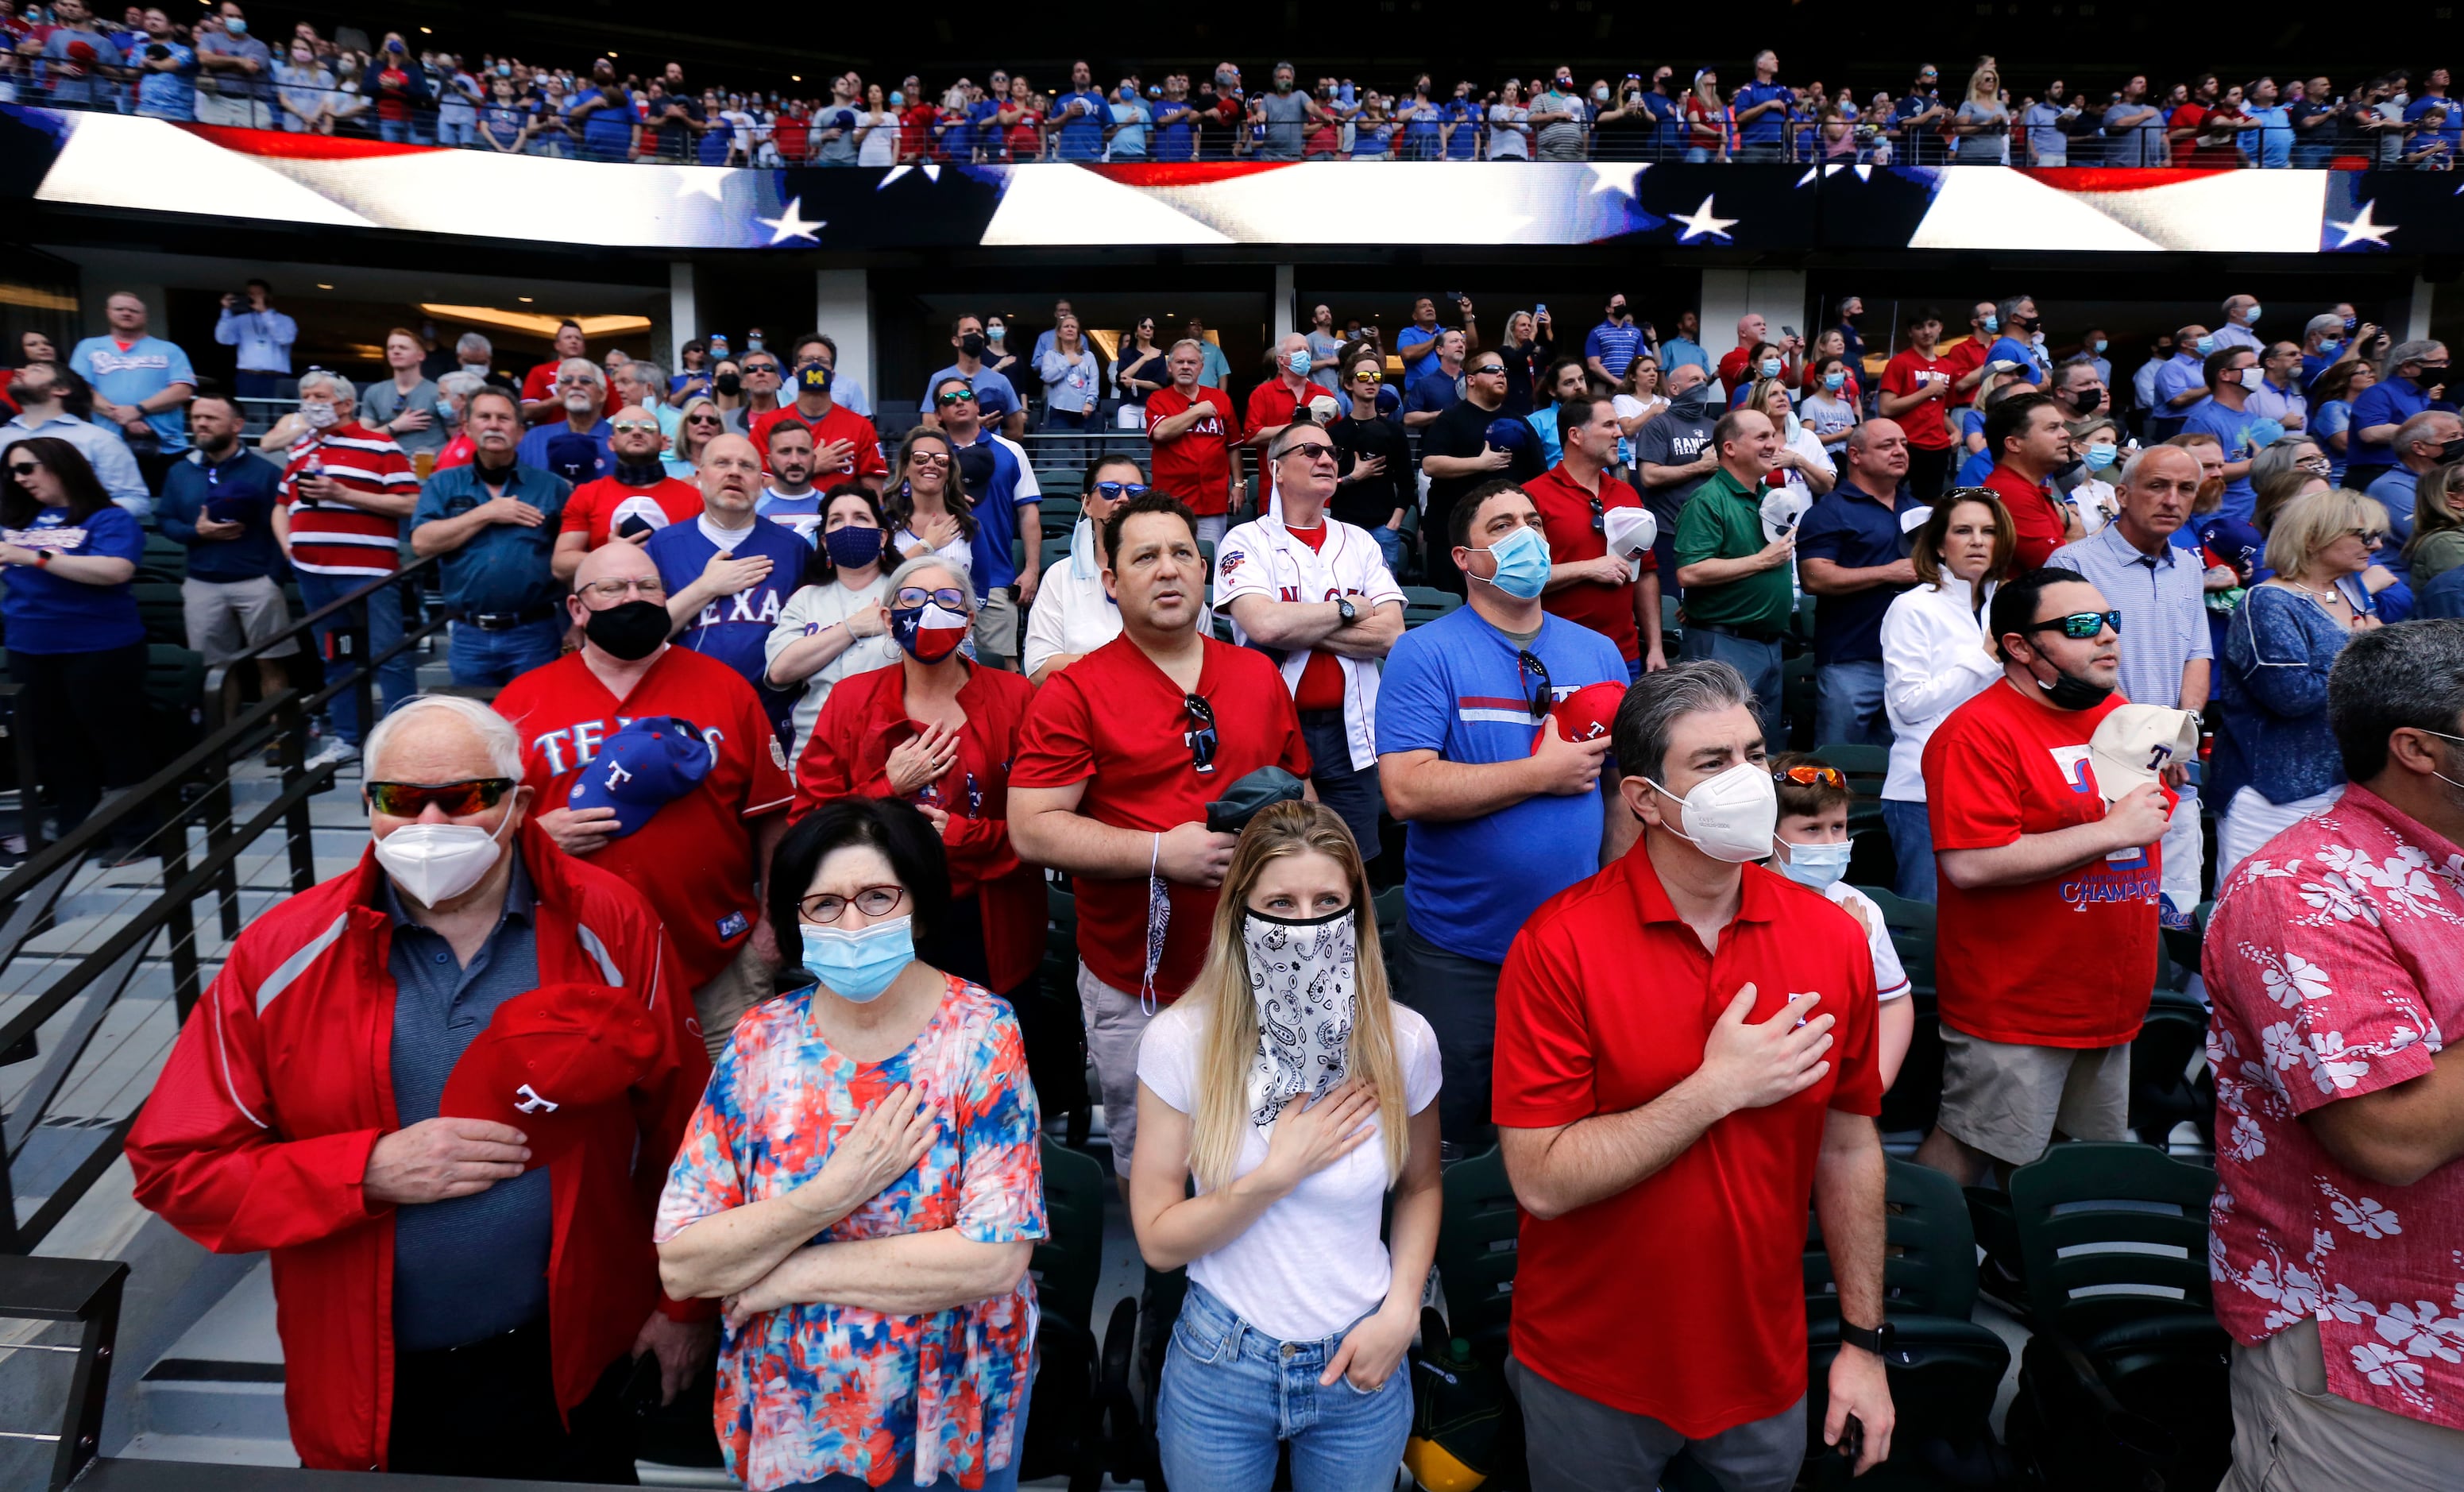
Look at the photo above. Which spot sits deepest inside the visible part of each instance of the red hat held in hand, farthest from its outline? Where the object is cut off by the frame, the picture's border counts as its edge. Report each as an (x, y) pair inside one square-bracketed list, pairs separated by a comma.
[(1587, 715), (547, 1057)]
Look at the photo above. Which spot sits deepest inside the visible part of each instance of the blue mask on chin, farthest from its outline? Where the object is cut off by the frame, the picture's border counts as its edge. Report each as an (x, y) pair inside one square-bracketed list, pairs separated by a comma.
[(860, 965)]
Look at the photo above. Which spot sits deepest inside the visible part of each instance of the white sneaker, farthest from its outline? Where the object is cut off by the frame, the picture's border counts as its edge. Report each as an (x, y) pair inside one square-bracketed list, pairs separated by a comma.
[(335, 750)]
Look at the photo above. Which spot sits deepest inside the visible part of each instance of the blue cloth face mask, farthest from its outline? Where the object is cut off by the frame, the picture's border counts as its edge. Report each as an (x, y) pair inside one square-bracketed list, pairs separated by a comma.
[(1816, 865), (1521, 565), (860, 965), (2099, 457), (1770, 368), (1831, 381), (2328, 345), (1992, 323)]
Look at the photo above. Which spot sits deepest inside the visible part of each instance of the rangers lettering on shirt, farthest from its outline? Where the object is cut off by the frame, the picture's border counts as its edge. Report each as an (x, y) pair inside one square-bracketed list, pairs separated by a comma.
[(579, 743)]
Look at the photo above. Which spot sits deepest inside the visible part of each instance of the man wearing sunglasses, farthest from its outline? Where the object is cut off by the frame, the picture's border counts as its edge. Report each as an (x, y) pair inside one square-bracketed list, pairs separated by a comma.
[(1002, 489), (700, 856), (1313, 594), (495, 521), (1456, 457), (846, 446), (1121, 755), (761, 378), (630, 503), (995, 396), (2048, 890), (303, 1111)]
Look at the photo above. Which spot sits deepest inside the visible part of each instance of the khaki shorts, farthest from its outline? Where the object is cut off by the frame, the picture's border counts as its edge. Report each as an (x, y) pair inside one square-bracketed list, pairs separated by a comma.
[(2008, 1101), (2291, 1434), (227, 618), (1115, 1022), (995, 631), (744, 983)]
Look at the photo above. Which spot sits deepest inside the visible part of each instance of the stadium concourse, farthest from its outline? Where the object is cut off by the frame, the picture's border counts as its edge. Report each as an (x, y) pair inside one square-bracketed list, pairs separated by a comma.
[(1024, 814)]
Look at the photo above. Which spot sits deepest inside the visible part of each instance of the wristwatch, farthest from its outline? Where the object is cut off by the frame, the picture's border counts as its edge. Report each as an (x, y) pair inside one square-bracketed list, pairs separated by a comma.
[(1344, 608), (1875, 1340)]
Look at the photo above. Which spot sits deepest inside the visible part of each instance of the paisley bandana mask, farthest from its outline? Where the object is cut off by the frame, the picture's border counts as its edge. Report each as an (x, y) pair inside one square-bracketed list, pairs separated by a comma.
[(1301, 974)]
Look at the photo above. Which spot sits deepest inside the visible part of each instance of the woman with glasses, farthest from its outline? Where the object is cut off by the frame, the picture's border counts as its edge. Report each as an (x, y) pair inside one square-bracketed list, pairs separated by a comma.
[(698, 423), (1934, 658), (862, 1185), (1300, 1098), (938, 730), (833, 628), (1138, 372), (1525, 352), (1981, 130), (1801, 466), (1706, 121), (2283, 470), (76, 647), (927, 512), (2276, 760)]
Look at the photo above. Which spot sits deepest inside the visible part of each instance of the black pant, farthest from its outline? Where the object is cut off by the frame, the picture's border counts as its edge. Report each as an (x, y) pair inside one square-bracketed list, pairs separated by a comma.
[(489, 1410), (1928, 471), (84, 714), (1459, 998)]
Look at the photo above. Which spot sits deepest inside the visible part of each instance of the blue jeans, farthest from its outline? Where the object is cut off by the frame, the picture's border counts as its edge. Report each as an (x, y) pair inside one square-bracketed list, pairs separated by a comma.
[(1003, 1479), (1759, 662), (397, 680), (1848, 705), (479, 659), (1912, 842), (1231, 1393), (1352, 794), (1389, 543)]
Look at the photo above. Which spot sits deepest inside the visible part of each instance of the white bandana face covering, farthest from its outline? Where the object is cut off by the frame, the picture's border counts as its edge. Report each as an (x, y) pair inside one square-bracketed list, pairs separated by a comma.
[(1301, 977)]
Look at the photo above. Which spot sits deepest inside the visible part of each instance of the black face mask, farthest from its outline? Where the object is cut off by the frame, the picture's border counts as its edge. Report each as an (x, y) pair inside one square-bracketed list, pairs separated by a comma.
[(2451, 452), (728, 383), (630, 630), (2431, 375), (2087, 401), (2066, 693), (973, 344)]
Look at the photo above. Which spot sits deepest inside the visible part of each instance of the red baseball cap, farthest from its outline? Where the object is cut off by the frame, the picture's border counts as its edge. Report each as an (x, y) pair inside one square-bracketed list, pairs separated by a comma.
[(547, 1057), (1587, 713)]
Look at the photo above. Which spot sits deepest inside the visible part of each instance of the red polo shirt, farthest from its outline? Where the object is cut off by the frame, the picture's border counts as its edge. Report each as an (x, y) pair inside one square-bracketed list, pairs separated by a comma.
[(2035, 515), (1566, 517), (1604, 1004)]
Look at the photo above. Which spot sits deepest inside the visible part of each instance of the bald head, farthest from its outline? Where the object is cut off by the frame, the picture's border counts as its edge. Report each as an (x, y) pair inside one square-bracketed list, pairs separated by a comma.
[(731, 479), (616, 561), (2158, 488)]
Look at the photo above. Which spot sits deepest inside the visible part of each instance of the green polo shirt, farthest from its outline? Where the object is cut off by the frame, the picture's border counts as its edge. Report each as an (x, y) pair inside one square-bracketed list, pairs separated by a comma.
[(1724, 520)]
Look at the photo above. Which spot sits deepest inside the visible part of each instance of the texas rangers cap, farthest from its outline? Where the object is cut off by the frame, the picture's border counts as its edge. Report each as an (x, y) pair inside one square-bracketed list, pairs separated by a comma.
[(645, 766), (547, 1057), (2135, 743), (1587, 715), (1509, 433)]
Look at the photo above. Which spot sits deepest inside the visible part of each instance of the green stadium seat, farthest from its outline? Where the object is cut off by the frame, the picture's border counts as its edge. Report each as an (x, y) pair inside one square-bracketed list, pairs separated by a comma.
[(1425, 603), (162, 611)]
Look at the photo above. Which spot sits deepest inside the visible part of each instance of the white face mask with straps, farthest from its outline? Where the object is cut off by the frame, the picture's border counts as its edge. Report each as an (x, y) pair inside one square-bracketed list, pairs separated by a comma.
[(1732, 815)]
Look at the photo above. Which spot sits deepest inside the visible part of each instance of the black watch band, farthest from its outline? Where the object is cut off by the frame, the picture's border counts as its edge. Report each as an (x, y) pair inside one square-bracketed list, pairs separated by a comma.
[(1875, 1340), (1345, 609)]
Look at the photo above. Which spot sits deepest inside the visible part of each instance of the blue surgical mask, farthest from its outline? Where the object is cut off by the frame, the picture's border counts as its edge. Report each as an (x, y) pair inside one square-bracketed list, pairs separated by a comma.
[(1521, 565), (2099, 457), (1298, 361), (898, 100), (1816, 865), (1831, 381), (504, 70), (1770, 368), (2253, 316), (2096, 345), (1992, 323), (860, 965), (2206, 346), (235, 25), (2328, 345)]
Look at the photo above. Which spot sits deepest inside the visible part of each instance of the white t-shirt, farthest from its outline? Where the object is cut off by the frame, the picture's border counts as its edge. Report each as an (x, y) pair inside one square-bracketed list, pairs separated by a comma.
[(812, 609), (959, 554), (1507, 144), (881, 146), (1071, 616), (1312, 1263), (1890, 980)]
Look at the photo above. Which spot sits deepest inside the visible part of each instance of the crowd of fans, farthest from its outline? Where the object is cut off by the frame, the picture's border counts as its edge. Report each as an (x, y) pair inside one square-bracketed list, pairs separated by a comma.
[(406, 90), (794, 724)]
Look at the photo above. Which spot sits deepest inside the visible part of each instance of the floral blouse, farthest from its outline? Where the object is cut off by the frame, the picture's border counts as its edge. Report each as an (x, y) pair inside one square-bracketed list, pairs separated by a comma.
[(807, 1392)]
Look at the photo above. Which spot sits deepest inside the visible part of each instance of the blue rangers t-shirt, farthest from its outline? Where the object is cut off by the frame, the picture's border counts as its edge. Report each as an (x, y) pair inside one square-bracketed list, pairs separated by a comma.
[(733, 628), (1456, 686), (47, 613)]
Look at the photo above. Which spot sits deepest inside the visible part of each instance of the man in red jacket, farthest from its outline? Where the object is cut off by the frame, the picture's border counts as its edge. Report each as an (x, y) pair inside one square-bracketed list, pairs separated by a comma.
[(449, 1303)]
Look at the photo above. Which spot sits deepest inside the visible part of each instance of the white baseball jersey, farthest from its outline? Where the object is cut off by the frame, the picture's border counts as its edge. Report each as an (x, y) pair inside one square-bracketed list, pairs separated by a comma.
[(1262, 557)]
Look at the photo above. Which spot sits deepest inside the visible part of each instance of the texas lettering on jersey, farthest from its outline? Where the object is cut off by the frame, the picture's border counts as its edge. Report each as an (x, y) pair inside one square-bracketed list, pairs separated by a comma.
[(579, 743), (739, 607)]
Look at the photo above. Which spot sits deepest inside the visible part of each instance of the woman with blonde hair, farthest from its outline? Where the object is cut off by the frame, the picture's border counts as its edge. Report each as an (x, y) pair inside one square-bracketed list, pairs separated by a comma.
[(697, 424), (1982, 126), (1297, 1094), (1802, 465), (2437, 542)]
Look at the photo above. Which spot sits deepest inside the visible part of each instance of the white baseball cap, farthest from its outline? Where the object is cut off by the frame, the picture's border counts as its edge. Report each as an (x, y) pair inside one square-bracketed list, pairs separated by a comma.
[(2135, 743)]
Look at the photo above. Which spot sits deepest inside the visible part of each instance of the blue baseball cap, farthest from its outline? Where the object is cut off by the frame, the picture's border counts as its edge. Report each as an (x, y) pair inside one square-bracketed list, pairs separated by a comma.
[(641, 768), (1509, 433)]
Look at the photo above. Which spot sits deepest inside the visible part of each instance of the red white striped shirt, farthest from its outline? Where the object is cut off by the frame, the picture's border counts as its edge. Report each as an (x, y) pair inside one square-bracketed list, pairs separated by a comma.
[(335, 538)]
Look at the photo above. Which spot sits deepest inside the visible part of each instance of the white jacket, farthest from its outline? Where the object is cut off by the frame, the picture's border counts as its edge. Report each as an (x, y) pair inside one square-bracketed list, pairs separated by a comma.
[(1933, 661), (1260, 557)]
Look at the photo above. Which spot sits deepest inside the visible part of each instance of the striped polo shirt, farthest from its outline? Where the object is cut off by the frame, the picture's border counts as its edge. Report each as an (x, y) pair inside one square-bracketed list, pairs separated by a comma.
[(336, 539)]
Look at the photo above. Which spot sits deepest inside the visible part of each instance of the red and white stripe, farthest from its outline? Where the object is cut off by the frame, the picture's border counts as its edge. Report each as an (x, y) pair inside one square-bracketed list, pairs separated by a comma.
[(330, 539)]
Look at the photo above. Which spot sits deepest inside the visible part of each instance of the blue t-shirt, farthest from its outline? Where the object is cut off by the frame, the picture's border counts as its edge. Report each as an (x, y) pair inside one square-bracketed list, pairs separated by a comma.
[(735, 628), (607, 133), (2271, 143), (2231, 428), (1454, 687), (1082, 138), (799, 515), (2449, 130), (1765, 129), (1668, 118), (238, 491), (1421, 131), (2390, 400), (1177, 141), (137, 372), (1613, 345), (1465, 116), (2012, 349), (172, 95), (47, 613), (995, 397), (1551, 445), (1433, 392), (1412, 336)]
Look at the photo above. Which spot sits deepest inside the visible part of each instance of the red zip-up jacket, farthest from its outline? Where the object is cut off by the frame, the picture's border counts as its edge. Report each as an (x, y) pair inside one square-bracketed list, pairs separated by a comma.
[(257, 1135), (865, 719)]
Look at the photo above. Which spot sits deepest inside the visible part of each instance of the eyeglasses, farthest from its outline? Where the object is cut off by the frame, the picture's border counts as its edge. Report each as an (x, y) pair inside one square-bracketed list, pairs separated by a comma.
[(458, 799), (947, 598), (1203, 739), (1807, 777), (1308, 450), (956, 396), (1114, 492), (1543, 693), (1487, 369), (2081, 625), (651, 587), (873, 900), (634, 426)]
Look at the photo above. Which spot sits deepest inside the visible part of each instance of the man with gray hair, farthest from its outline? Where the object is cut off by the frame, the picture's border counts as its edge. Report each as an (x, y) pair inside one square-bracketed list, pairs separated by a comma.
[(492, 1270), (2324, 344), (473, 353), (2422, 443), (2412, 379), (2168, 650), (2340, 1153), (338, 516), (1645, 1183), (2241, 325), (577, 448)]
